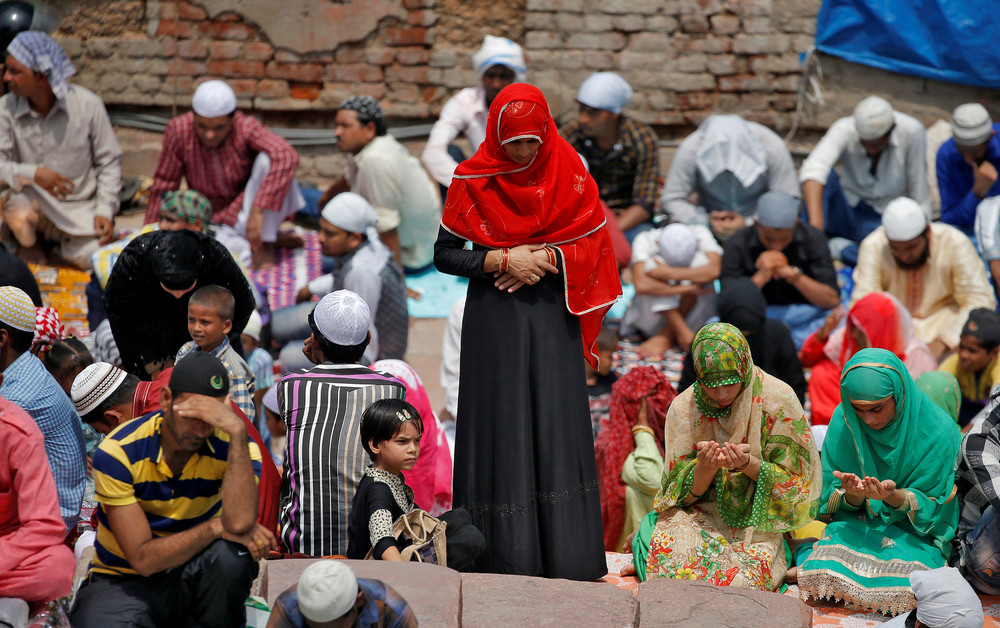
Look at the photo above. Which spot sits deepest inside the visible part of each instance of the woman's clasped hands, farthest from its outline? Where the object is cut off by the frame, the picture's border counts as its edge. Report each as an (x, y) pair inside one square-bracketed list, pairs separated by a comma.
[(859, 489), (732, 456), (525, 264)]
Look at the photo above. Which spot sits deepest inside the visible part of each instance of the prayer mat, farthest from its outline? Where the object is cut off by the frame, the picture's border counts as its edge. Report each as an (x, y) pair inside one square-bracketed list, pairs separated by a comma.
[(438, 292), (293, 269), (827, 614)]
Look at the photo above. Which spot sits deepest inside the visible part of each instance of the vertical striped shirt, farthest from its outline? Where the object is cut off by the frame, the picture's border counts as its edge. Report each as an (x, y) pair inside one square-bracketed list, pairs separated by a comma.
[(129, 468), (321, 408)]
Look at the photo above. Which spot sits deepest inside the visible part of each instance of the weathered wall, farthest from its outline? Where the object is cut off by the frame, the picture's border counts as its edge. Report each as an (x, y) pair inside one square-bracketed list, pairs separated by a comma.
[(293, 61)]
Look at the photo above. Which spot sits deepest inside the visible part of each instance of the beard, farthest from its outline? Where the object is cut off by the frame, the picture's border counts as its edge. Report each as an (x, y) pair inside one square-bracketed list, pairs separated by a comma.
[(916, 264)]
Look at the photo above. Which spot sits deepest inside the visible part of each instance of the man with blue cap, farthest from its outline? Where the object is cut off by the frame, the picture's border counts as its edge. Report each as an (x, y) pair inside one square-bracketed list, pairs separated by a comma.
[(499, 62), (788, 260), (622, 154)]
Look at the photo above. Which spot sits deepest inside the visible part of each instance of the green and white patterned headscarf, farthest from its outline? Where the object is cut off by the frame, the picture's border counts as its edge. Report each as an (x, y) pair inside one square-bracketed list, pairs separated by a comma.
[(721, 356)]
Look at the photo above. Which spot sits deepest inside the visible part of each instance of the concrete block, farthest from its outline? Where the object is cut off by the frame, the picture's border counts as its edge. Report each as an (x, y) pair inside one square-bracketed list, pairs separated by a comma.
[(434, 593), (666, 603), (490, 601)]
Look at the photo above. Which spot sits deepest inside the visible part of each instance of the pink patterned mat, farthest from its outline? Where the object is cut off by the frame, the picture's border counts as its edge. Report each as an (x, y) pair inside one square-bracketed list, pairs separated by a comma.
[(292, 270)]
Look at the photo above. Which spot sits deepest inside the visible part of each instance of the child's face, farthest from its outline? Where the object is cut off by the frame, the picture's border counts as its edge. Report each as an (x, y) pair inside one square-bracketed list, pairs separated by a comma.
[(400, 453), (972, 356), (606, 361), (206, 327), (274, 423), (249, 344)]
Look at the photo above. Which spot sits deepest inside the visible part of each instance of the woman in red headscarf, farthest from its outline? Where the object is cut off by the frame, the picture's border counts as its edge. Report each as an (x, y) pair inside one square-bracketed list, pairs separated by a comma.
[(542, 276)]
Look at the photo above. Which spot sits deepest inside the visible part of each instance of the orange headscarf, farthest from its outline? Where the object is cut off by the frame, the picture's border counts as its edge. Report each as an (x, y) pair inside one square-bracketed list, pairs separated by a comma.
[(552, 200)]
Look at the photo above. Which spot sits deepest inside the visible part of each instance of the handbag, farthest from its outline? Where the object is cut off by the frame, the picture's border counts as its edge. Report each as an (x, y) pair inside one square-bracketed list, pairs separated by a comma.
[(427, 536)]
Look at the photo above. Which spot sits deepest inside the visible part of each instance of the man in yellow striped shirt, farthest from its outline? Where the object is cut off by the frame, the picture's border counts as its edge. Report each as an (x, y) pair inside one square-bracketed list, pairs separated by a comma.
[(177, 538)]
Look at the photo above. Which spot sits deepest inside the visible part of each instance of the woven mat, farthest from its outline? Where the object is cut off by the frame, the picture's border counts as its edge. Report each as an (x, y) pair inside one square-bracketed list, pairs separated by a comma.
[(293, 269)]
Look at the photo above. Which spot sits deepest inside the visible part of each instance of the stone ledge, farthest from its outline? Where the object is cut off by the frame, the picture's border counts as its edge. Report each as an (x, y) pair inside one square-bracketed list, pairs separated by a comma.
[(666, 603)]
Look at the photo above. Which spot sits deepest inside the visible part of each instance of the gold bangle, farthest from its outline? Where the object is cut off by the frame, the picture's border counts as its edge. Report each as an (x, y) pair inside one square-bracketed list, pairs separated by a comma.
[(643, 428)]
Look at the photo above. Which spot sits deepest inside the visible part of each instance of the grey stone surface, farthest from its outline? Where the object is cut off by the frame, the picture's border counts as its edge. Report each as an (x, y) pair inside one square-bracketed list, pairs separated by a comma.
[(494, 601), (434, 593), (669, 603)]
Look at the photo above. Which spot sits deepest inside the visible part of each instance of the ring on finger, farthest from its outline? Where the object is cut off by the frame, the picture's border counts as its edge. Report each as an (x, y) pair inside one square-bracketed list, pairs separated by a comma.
[(259, 542)]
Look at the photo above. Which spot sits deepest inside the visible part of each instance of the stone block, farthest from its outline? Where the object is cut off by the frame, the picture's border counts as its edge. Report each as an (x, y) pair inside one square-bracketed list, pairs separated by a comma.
[(100, 47), (225, 50), (413, 55), (666, 603), (723, 24), (542, 39), (665, 24), (257, 51), (490, 600), (192, 49), (238, 69), (693, 23), (299, 72), (760, 44), (597, 41), (443, 59), (629, 23), (434, 593)]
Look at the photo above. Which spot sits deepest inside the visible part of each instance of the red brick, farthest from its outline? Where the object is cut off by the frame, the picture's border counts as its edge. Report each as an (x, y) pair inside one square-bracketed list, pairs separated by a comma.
[(174, 28), (229, 16), (180, 66), (306, 91), (168, 11), (225, 50), (408, 74), (694, 100), (244, 88), (236, 69), (414, 55), (744, 83), (377, 56), (414, 36), (375, 90), (188, 11), (272, 89), (421, 18), (299, 72), (226, 30), (192, 49), (784, 102), (285, 56), (257, 51)]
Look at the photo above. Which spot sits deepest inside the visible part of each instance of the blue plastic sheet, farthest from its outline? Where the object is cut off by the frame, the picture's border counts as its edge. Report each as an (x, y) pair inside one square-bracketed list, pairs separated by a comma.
[(947, 40)]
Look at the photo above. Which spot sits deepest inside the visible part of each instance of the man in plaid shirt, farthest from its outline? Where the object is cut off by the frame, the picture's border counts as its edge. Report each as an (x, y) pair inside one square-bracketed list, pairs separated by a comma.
[(977, 479), (622, 154), (245, 170)]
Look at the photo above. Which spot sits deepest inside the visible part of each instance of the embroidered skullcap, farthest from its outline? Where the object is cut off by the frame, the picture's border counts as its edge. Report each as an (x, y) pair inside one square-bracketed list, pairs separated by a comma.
[(188, 205), (873, 117), (945, 599), (38, 52), (903, 219), (971, 124), (343, 318), (48, 328), (94, 384), (16, 309), (327, 590), (352, 213), (214, 99), (367, 108), (254, 325), (605, 90), (270, 399), (678, 244), (500, 51), (778, 210)]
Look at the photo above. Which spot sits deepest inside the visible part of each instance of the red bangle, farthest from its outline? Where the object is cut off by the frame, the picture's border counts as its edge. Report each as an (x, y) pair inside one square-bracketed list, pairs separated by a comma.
[(551, 254), (504, 259)]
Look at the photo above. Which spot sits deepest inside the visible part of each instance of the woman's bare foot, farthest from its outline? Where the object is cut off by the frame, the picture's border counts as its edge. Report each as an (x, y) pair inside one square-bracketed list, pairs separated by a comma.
[(628, 570), (792, 575)]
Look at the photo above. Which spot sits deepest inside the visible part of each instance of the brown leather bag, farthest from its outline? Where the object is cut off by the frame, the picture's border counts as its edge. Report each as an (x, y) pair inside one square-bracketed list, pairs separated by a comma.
[(427, 534)]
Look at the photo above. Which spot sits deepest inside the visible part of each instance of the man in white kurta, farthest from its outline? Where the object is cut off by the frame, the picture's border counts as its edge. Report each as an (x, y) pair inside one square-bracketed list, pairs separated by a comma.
[(932, 268)]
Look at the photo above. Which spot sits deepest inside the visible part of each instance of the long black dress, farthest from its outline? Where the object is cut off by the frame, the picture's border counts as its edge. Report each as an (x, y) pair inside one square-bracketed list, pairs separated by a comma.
[(524, 451)]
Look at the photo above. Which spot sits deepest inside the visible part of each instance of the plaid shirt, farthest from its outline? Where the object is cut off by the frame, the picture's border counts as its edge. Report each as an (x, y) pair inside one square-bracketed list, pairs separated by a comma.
[(27, 384), (978, 474), (241, 379), (629, 173), (381, 606), (222, 173)]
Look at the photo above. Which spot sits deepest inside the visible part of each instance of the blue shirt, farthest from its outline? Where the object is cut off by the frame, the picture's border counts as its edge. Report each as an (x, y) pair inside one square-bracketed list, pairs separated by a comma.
[(27, 384), (381, 606), (955, 179)]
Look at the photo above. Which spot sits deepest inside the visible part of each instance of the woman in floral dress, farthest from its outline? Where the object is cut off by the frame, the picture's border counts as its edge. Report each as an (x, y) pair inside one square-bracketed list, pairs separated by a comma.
[(741, 468)]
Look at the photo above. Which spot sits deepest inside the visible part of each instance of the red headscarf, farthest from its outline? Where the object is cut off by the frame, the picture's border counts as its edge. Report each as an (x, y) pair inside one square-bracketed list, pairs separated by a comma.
[(615, 441), (552, 200), (877, 316)]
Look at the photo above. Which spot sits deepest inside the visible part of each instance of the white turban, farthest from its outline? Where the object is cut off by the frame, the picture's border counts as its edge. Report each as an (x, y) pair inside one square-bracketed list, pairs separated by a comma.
[(352, 213), (327, 590), (343, 318), (971, 124), (873, 117), (500, 51), (605, 90), (254, 326), (214, 99), (38, 52), (903, 219), (728, 145), (945, 599), (678, 244)]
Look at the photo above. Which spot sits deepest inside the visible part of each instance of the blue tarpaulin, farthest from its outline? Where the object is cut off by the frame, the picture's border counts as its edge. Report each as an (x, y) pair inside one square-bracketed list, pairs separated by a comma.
[(947, 40)]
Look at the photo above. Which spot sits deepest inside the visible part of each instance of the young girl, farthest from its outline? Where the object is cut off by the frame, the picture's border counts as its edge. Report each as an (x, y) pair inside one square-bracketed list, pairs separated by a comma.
[(390, 432)]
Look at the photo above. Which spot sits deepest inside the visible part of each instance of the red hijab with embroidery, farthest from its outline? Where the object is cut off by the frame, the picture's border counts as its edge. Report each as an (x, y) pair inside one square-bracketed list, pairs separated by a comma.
[(498, 203), (877, 316)]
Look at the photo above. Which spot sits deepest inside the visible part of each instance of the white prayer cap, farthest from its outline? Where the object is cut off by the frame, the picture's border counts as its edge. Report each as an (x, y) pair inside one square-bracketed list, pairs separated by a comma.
[(94, 384), (971, 124), (678, 244), (945, 599), (903, 219), (254, 326), (213, 99), (873, 117), (16, 309), (778, 210), (500, 51), (327, 590), (350, 212), (605, 90), (343, 318), (270, 399)]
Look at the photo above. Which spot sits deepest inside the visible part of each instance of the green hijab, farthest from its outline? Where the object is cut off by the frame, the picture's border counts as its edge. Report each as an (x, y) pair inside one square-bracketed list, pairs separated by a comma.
[(942, 388), (721, 356)]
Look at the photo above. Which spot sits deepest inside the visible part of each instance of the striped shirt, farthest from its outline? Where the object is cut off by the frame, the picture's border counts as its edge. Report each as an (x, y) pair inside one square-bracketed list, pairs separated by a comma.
[(221, 174), (325, 461), (27, 384), (241, 378), (129, 468)]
